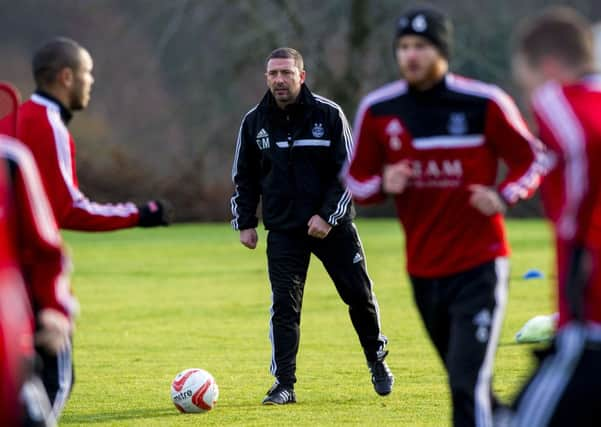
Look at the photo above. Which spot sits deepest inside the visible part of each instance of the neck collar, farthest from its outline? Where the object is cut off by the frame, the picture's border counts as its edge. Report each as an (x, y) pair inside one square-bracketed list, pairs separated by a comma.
[(66, 114), (436, 88), (305, 97)]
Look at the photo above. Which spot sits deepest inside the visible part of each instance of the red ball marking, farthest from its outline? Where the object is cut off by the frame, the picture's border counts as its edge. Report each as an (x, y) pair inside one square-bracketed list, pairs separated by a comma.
[(197, 398), (179, 384)]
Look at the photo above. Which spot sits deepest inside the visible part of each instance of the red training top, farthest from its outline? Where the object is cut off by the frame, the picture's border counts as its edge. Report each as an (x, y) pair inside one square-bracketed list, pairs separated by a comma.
[(453, 135), (569, 119), (41, 127)]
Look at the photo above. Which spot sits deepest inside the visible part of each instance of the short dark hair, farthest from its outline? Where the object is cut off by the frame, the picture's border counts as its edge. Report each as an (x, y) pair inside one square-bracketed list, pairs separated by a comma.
[(287, 52), (560, 32), (53, 56)]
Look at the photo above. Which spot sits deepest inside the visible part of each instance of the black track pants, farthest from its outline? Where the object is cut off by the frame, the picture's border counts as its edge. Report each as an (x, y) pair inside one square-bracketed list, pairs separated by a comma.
[(565, 389), (341, 253), (57, 374), (463, 314)]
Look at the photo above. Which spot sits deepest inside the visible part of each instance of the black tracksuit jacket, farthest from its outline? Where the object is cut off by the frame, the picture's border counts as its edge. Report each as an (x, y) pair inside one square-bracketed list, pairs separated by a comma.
[(290, 159)]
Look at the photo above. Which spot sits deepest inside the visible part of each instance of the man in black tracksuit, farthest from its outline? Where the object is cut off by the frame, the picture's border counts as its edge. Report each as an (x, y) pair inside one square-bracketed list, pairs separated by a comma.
[(289, 153)]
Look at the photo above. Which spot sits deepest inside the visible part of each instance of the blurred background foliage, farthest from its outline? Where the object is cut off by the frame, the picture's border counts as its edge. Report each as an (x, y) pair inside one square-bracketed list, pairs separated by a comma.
[(173, 78)]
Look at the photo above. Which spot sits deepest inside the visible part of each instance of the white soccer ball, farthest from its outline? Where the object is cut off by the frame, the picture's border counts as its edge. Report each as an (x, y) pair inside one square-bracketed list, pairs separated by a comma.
[(194, 390), (538, 329)]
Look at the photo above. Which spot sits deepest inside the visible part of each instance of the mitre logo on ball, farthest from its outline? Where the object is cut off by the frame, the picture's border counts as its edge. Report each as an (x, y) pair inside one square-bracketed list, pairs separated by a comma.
[(194, 390)]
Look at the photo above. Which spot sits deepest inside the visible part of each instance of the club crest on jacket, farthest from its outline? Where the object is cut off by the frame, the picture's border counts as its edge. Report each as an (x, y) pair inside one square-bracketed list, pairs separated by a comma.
[(318, 130), (394, 130), (457, 124)]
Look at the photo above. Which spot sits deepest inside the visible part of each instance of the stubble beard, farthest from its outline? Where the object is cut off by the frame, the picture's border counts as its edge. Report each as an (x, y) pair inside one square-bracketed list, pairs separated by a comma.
[(429, 77), (287, 98)]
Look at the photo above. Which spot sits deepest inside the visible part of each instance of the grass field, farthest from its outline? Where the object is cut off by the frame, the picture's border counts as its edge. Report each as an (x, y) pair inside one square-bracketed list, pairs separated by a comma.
[(155, 302)]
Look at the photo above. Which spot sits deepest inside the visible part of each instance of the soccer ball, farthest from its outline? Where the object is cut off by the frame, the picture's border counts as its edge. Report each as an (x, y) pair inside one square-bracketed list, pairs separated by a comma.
[(194, 390)]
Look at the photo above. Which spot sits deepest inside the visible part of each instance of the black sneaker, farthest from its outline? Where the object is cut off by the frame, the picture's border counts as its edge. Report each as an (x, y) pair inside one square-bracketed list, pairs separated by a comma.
[(279, 395), (381, 377)]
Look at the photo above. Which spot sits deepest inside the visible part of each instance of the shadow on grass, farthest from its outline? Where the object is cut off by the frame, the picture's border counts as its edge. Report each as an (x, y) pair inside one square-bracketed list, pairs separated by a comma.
[(531, 345), (509, 344), (117, 416)]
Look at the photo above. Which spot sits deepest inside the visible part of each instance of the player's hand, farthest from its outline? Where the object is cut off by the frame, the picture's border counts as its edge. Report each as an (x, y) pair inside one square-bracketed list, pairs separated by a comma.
[(249, 238), (55, 330), (486, 200), (395, 177), (318, 227), (154, 213)]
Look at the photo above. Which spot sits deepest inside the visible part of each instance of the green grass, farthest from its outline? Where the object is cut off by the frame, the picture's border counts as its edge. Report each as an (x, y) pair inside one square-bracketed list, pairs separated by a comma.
[(154, 302)]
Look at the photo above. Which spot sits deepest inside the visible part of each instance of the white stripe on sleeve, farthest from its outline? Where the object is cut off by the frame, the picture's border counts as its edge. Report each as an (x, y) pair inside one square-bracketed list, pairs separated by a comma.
[(556, 112), (367, 188), (63, 153), (42, 212), (233, 202), (347, 138)]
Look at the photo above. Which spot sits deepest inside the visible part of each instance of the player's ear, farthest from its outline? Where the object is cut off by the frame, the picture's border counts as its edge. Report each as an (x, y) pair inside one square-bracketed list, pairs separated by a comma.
[(65, 77), (303, 74)]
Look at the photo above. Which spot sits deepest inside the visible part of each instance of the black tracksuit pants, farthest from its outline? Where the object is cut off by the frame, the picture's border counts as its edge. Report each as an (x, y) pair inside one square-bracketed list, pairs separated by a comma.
[(288, 255), (565, 389), (463, 314), (57, 374)]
